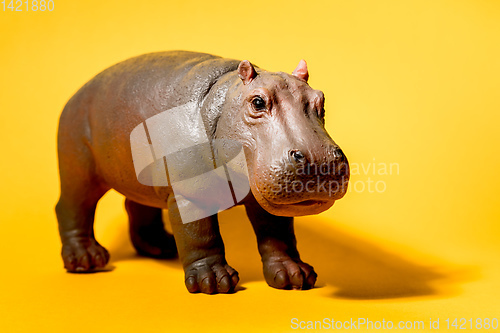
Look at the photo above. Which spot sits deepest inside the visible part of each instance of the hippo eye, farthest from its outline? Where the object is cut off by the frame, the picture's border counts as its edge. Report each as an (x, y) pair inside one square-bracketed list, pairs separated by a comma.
[(258, 104)]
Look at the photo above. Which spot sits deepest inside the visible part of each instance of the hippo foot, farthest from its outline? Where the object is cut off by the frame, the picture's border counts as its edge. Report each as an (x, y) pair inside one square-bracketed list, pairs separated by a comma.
[(211, 275), (82, 255), (288, 273), (154, 242)]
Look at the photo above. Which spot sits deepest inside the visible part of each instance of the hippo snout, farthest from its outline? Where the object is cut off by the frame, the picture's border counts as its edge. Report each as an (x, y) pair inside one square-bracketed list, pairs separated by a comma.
[(333, 159), (307, 180)]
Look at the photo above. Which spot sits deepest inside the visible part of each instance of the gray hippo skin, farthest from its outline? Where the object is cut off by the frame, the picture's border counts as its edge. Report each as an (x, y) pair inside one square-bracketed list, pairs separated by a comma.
[(276, 117)]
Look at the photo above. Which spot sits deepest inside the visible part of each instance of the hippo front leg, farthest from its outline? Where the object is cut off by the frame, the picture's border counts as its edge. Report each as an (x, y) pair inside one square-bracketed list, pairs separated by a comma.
[(201, 251), (283, 268)]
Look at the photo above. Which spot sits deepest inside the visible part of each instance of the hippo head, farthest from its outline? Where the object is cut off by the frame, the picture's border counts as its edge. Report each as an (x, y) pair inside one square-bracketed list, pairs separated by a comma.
[(294, 167)]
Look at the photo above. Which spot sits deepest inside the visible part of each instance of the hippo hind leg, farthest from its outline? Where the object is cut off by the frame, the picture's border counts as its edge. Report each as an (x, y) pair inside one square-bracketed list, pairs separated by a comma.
[(147, 231), (81, 189)]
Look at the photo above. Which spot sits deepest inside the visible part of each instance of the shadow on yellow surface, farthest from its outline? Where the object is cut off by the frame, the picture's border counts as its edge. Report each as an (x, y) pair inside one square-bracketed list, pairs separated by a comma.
[(363, 269), (356, 267)]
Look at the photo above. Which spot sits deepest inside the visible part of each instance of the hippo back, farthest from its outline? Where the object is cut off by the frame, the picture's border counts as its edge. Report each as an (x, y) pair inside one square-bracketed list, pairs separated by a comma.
[(125, 95)]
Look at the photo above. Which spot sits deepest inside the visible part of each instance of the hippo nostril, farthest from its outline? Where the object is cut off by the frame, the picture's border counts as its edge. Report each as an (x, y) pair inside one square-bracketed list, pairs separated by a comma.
[(338, 155), (339, 161), (297, 156)]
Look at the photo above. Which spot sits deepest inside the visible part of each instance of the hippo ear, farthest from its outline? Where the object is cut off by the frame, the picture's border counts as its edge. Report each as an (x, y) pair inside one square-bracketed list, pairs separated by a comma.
[(301, 71), (246, 72)]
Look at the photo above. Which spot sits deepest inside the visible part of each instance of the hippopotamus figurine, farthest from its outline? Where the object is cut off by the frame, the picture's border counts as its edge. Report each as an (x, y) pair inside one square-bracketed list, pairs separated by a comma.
[(163, 129)]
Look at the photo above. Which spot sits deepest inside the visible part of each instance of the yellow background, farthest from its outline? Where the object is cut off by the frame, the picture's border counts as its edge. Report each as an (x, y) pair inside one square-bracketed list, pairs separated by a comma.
[(409, 82)]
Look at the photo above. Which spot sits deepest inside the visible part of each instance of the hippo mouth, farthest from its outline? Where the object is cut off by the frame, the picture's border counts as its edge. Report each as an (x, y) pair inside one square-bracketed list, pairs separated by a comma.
[(299, 208), (308, 203), (305, 205)]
